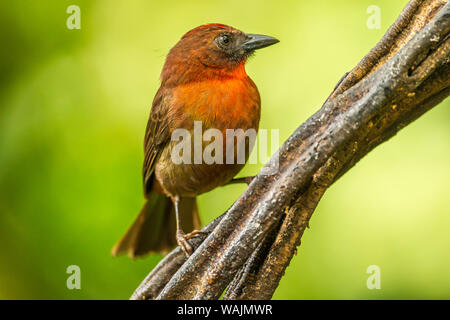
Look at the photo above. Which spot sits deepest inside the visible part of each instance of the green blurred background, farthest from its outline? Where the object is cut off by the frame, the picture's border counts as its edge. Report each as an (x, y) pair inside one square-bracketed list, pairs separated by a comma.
[(73, 110)]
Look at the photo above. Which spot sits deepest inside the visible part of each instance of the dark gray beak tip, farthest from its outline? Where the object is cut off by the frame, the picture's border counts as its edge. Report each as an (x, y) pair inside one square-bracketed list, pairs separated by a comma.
[(258, 41)]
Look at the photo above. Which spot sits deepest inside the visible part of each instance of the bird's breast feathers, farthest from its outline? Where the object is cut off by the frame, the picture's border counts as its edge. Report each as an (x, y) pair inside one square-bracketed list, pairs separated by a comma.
[(232, 103)]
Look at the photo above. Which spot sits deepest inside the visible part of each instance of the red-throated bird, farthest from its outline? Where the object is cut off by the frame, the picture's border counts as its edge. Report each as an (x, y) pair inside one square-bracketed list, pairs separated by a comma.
[(203, 79)]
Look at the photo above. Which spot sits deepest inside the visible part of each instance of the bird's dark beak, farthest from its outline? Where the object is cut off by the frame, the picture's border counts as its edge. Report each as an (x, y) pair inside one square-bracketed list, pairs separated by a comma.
[(258, 41)]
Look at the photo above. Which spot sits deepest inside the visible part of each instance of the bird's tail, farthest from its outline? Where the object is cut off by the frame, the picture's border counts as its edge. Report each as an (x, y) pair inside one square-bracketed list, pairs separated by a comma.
[(154, 228)]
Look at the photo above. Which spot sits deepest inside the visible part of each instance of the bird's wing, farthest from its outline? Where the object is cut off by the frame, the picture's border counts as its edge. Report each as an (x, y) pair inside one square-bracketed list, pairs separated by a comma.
[(157, 135)]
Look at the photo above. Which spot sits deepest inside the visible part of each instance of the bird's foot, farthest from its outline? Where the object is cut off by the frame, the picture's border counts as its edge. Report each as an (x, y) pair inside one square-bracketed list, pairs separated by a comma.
[(194, 233), (182, 240)]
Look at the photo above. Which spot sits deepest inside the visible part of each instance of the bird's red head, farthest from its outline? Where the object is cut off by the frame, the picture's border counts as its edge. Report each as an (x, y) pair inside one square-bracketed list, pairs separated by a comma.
[(211, 51)]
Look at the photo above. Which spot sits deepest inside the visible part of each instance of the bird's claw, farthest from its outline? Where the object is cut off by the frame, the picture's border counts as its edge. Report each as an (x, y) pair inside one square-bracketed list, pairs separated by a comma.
[(246, 180), (194, 233), (182, 240)]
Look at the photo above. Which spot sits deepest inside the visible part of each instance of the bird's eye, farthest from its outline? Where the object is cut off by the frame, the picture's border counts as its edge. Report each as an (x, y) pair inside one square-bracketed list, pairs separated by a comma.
[(224, 40)]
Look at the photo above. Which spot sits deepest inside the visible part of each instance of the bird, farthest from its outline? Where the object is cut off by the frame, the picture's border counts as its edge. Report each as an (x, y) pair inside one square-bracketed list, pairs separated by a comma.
[(203, 81)]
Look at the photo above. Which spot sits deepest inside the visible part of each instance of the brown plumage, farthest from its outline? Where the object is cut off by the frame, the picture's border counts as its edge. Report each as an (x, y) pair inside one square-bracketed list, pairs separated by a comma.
[(203, 79)]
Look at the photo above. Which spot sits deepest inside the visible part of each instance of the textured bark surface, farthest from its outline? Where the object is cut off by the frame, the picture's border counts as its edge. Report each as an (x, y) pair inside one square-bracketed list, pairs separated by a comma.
[(248, 248)]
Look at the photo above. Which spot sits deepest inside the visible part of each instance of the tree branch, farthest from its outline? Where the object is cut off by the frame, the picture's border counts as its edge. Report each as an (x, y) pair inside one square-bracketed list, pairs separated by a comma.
[(249, 247)]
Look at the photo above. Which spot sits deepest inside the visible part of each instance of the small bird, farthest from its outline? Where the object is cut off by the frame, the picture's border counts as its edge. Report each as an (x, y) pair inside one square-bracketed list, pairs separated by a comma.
[(203, 80)]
